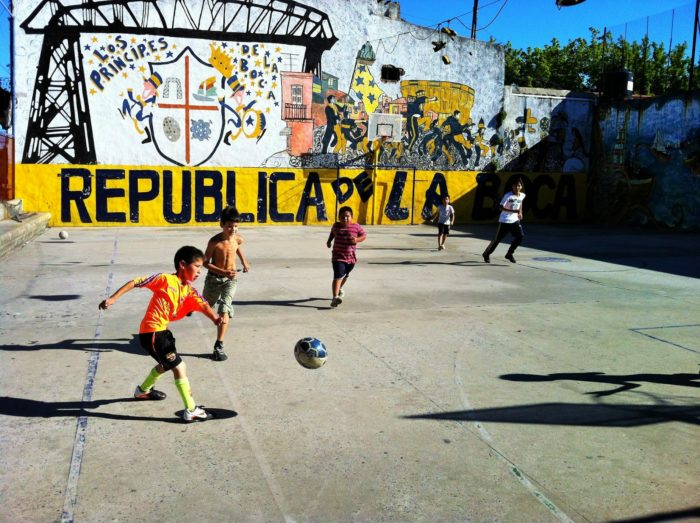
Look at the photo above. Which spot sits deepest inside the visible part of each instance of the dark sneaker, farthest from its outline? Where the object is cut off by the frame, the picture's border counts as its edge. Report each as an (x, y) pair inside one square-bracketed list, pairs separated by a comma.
[(336, 301), (487, 259), (219, 354), (196, 414), (152, 394), (510, 258)]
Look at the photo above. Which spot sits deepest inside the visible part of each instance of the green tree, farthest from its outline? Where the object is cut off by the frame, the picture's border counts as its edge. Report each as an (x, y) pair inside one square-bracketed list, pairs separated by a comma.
[(582, 64)]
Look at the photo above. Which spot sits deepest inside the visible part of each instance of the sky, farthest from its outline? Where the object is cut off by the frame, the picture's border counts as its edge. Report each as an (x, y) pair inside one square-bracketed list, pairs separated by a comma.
[(525, 23), (534, 23)]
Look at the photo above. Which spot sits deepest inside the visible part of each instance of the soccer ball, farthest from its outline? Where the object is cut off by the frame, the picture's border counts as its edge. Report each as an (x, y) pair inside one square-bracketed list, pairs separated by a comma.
[(63, 235), (310, 353)]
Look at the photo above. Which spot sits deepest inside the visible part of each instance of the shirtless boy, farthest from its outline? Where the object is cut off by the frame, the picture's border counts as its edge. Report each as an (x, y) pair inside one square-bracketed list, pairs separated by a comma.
[(221, 282)]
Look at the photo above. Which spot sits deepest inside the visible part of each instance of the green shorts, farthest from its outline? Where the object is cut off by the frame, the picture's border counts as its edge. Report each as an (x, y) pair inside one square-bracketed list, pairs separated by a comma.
[(219, 292)]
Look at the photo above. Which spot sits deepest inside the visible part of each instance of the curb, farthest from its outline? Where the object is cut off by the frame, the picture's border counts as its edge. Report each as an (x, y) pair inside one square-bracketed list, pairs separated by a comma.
[(13, 235)]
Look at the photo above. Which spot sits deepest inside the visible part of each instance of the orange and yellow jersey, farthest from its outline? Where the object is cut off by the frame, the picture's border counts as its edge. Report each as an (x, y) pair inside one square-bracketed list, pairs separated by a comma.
[(171, 301)]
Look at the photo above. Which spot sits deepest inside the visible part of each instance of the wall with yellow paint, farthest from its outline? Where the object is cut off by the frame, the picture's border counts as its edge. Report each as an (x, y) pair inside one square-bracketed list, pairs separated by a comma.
[(122, 195)]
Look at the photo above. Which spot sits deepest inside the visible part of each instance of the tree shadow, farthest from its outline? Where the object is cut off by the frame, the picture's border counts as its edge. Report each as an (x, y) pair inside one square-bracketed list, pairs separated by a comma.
[(676, 515), (625, 381), (574, 414), (130, 346), (28, 408)]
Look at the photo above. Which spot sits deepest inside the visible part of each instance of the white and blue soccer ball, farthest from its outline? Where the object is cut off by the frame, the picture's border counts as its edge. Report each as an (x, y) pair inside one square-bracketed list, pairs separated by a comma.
[(310, 353)]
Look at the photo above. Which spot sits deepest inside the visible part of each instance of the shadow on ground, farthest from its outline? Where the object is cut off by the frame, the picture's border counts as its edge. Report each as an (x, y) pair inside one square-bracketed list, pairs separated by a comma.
[(574, 414)]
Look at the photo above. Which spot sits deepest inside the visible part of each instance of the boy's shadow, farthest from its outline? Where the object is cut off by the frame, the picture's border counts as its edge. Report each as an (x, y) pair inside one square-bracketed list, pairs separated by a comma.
[(626, 381), (286, 303), (28, 408), (464, 263), (132, 345)]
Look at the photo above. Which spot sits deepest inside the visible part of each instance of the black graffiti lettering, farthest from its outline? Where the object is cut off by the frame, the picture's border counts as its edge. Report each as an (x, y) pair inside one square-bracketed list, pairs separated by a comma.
[(120, 40), (363, 183), (135, 196), (119, 63), (565, 197), (202, 192), (262, 197), (185, 214), (231, 196), (104, 72), (96, 79), (104, 193), (337, 186), (275, 215), (313, 182), (78, 197), (533, 193), (433, 195), (393, 209), (486, 197), (100, 56)]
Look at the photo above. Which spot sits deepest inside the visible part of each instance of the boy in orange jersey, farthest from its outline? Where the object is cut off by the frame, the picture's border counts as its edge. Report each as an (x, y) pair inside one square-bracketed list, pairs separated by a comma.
[(221, 282), (173, 298)]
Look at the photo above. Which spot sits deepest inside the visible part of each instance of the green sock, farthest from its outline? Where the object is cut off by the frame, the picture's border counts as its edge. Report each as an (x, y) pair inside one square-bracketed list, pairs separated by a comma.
[(150, 380), (183, 387)]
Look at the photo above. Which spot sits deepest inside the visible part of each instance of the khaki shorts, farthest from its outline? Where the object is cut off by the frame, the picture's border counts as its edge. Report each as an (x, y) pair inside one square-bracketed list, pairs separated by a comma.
[(219, 292)]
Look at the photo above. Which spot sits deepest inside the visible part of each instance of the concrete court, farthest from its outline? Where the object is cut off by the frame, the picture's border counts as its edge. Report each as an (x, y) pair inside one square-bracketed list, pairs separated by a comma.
[(564, 387)]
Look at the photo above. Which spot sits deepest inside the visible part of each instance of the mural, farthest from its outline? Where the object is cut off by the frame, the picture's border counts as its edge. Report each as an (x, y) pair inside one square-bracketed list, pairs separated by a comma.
[(167, 91), (651, 170)]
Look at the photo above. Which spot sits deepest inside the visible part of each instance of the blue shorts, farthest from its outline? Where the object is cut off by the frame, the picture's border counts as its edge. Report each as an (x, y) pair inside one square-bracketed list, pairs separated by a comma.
[(342, 269)]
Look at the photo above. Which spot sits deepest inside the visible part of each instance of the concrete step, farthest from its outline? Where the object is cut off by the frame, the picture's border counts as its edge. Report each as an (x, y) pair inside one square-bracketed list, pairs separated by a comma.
[(24, 228)]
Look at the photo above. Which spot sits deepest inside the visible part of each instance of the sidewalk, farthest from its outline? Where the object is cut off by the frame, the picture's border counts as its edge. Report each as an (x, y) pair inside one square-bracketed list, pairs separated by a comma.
[(561, 388)]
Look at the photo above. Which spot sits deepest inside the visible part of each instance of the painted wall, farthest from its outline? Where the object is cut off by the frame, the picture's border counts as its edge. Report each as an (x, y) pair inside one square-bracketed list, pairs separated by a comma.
[(651, 163), (114, 97)]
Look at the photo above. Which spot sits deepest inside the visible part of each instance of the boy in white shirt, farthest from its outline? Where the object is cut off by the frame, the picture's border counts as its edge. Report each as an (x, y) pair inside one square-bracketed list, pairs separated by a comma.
[(509, 221), (445, 216)]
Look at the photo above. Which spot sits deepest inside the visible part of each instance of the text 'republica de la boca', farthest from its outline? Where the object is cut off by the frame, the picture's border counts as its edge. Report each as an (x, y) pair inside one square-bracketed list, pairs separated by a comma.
[(91, 195)]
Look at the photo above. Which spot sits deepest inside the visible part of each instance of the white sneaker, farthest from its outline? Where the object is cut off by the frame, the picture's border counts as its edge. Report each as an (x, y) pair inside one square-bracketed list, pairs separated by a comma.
[(197, 414), (341, 293)]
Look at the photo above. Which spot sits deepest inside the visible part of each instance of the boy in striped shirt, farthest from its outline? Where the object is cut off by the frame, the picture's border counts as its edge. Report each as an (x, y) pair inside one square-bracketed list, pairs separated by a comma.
[(345, 235), (173, 298)]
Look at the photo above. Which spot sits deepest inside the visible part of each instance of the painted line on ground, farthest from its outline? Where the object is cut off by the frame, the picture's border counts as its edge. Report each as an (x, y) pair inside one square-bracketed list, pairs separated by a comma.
[(486, 440), (206, 328), (76, 462)]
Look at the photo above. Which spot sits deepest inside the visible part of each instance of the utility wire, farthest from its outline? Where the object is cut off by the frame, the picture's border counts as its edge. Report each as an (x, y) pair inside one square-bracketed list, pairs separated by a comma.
[(494, 18)]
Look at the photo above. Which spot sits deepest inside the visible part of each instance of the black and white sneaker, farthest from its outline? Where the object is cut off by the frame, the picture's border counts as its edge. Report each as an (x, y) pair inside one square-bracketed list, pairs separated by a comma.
[(196, 414), (219, 354), (152, 394)]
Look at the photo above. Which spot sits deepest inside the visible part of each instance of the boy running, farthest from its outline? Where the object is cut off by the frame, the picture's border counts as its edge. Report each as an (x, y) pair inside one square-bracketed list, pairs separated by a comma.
[(173, 298), (345, 235), (509, 221), (221, 282)]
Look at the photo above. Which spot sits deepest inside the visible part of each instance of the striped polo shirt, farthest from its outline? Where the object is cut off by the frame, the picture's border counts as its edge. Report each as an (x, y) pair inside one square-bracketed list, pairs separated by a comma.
[(343, 249)]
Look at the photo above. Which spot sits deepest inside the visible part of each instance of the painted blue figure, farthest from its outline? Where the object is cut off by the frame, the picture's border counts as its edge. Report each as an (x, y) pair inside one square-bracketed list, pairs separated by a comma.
[(414, 113), (453, 128), (134, 105), (332, 119)]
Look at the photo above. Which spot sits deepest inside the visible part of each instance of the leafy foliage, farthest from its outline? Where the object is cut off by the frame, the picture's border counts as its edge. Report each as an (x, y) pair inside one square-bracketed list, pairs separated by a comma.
[(581, 64)]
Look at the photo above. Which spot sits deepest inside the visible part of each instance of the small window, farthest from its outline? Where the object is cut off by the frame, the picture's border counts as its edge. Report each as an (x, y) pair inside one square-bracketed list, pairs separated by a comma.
[(297, 97)]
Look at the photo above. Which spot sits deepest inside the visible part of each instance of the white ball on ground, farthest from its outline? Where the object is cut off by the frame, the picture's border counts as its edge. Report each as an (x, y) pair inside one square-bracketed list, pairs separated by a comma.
[(63, 235)]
